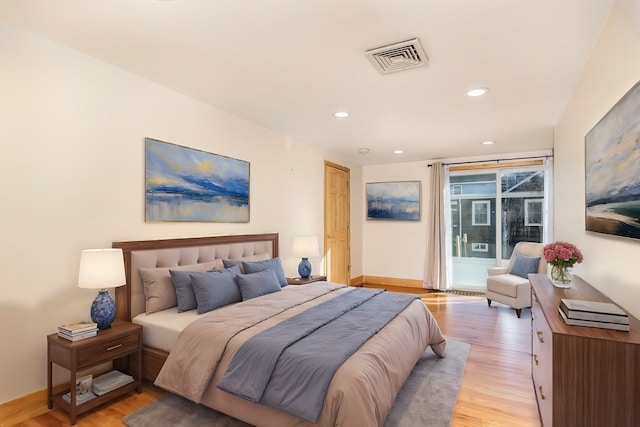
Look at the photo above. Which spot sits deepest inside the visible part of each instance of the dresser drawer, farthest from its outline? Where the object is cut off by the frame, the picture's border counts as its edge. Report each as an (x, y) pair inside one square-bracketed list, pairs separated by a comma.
[(542, 363), (108, 350)]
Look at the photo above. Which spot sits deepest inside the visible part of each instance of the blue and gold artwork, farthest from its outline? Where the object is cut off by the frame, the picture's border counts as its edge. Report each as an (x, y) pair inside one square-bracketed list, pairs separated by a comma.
[(184, 184), (394, 200), (612, 157)]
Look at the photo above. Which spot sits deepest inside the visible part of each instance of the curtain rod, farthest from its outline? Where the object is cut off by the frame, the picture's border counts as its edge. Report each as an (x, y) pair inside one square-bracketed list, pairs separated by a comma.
[(496, 161)]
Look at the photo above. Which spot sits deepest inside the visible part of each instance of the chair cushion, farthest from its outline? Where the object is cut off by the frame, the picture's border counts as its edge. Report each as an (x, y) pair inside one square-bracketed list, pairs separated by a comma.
[(524, 265), (506, 284)]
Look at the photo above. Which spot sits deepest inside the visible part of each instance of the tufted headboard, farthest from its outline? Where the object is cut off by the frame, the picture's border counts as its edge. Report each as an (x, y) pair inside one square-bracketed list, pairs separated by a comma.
[(175, 252)]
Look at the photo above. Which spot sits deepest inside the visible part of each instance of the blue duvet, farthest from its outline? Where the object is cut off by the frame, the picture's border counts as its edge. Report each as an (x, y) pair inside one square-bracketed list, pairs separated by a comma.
[(289, 366)]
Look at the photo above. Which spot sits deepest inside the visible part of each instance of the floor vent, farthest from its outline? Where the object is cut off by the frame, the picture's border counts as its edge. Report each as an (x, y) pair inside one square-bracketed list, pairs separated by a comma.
[(398, 57)]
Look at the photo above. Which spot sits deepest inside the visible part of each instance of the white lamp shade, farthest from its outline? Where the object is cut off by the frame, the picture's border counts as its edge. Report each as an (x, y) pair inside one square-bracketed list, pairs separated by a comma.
[(101, 269), (305, 246)]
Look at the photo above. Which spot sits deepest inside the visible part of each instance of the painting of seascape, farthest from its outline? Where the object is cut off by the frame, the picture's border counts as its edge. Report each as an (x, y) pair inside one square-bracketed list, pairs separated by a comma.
[(394, 200), (612, 157), (184, 184)]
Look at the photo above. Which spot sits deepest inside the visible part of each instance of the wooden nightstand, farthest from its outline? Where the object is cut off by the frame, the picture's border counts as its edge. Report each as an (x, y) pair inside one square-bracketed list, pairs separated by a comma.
[(121, 343), (301, 281)]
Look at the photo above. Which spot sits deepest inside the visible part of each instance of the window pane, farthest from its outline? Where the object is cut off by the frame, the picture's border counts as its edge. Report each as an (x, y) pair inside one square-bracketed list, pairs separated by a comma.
[(473, 207), (522, 208)]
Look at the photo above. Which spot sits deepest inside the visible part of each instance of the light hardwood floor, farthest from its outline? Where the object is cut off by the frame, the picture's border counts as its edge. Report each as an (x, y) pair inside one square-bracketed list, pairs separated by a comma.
[(496, 388)]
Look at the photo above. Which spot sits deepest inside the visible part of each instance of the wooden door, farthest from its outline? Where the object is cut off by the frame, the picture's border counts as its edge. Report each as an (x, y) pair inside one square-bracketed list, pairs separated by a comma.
[(336, 223)]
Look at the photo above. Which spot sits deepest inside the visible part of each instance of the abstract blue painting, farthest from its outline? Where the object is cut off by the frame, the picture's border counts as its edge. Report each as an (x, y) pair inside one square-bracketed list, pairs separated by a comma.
[(612, 157), (183, 184), (394, 200)]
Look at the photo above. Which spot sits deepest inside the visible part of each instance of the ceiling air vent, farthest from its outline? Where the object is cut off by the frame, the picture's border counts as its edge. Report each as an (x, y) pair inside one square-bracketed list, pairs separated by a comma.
[(398, 57)]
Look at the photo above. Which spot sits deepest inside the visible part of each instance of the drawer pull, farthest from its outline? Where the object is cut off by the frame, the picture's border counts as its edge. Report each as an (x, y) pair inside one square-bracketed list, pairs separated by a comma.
[(540, 336), (541, 393), (114, 347), (535, 359)]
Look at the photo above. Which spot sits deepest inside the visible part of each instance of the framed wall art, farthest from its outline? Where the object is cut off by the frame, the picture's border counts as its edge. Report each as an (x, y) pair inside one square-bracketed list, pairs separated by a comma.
[(393, 200), (184, 184), (612, 168)]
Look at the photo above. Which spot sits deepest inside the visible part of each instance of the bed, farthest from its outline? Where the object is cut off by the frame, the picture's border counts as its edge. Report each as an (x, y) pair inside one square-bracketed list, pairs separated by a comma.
[(360, 393)]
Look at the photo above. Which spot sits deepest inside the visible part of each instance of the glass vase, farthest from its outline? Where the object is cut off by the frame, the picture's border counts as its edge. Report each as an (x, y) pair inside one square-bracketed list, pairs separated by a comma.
[(561, 277)]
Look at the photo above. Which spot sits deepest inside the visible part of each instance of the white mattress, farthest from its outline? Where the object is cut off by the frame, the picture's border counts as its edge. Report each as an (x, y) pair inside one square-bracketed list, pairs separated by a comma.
[(161, 329)]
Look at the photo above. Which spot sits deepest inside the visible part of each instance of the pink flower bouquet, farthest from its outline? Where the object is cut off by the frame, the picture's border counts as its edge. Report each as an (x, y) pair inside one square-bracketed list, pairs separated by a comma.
[(562, 254)]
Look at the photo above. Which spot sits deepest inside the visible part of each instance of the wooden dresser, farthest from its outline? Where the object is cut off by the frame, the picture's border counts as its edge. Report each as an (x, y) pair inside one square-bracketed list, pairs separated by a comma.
[(582, 376)]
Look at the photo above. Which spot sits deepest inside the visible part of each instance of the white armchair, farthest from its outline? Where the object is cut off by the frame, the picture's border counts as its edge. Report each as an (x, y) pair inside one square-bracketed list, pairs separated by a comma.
[(509, 285)]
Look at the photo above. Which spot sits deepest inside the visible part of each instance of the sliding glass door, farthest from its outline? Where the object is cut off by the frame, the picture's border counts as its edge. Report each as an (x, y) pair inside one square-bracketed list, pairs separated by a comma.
[(491, 211)]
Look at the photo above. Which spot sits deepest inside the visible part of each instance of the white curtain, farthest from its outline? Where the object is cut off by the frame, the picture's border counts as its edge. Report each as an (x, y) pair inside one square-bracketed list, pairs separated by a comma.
[(437, 275), (547, 236)]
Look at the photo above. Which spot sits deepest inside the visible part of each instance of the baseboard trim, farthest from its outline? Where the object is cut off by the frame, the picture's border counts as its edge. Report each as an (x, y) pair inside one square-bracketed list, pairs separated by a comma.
[(386, 281), (357, 281)]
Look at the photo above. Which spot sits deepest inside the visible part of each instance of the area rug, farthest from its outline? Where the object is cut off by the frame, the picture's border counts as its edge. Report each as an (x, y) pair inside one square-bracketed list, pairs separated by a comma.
[(427, 399)]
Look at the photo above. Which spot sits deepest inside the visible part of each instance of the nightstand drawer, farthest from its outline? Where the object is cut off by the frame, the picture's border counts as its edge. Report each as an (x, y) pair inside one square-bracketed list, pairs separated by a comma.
[(107, 350)]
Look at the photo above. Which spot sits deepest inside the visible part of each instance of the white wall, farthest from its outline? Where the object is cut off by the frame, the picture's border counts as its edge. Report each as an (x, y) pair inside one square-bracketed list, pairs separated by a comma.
[(72, 133), (612, 264), (395, 248)]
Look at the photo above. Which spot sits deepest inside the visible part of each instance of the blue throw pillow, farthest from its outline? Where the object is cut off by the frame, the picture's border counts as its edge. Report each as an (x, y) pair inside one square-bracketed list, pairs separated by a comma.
[(228, 263), (258, 266), (184, 291), (524, 265), (215, 288), (256, 284)]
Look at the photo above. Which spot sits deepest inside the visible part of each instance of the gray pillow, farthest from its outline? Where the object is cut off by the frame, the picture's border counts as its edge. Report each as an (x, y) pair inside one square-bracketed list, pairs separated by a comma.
[(228, 263), (256, 284), (216, 288), (184, 291), (250, 258), (524, 265), (273, 263)]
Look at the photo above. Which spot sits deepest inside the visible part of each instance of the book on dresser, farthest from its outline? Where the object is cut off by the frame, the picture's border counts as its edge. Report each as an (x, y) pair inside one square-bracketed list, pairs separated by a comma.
[(593, 323), (593, 310)]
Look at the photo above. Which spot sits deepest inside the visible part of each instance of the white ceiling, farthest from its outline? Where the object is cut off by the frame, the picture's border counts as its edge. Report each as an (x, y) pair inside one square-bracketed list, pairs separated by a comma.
[(288, 65)]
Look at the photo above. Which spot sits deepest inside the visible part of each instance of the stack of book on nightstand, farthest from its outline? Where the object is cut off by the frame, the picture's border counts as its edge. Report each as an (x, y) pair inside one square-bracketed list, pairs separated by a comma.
[(593, 314), (83, 390), (78, 331), (80, 397)]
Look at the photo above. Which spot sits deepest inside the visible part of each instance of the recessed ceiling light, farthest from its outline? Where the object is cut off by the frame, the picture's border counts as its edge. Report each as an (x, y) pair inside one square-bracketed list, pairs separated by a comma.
[(341, 114), (488, 142), (478, 92), (398, 151), (363, 150)]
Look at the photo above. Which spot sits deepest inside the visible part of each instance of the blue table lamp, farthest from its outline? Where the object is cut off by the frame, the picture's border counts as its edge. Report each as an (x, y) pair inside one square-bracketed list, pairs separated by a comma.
[(305, 247), (102, 269)]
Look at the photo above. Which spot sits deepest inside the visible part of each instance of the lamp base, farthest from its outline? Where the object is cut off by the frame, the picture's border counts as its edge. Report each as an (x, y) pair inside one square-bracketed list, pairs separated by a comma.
[(304, 268), (103, 309)]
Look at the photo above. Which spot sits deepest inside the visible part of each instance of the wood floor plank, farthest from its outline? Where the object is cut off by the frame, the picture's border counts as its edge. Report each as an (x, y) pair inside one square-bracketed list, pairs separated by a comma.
[(496, 389)]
